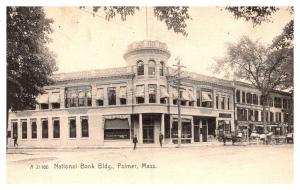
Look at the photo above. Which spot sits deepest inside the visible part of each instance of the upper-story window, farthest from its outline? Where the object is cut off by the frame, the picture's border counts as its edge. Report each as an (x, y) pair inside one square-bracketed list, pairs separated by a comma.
[(140, 94), (249, 98), (217, 102), (284, 102), (99, 97), (163, 95), (277, 102), (54, 99), (238, 96), (270, 101), (161, 68), (255, 99), (78, 96), (243, 97), (151, 67), (206, 98), (122, 95), (152, 93), (111, 94), (223, 103), (140, 68)]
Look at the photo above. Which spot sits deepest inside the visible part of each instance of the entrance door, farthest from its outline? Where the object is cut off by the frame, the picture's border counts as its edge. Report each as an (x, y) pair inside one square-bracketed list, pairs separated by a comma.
[(15, 129), (196, 133), (204, 130), (148, 134)]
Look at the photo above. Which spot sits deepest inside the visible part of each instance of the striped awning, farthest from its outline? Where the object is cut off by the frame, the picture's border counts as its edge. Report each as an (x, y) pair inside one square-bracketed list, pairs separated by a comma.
[(185, 96), (123, 92), (100, 94), (192, 96), (54, 98), (43, 99), (206, 96), (163, 92), (140, 91)]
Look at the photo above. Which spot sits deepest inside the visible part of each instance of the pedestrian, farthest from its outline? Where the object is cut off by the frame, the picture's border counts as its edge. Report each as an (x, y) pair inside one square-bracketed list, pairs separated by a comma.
[(161, 137), (15, 140), (134, 142)]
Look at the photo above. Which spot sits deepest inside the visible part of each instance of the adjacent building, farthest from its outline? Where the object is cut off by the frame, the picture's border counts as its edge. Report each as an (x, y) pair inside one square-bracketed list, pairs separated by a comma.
[(110, 106)]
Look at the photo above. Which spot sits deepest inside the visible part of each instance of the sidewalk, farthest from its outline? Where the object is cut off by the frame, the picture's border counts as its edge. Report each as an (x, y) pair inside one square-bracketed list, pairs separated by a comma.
[(21, 149)]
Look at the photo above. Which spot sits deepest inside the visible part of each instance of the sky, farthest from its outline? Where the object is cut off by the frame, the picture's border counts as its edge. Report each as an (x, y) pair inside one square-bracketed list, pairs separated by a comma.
[(83, 42)]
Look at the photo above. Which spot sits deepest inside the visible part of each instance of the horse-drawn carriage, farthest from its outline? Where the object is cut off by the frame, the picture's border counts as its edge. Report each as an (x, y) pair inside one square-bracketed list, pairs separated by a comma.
[(238, 138)]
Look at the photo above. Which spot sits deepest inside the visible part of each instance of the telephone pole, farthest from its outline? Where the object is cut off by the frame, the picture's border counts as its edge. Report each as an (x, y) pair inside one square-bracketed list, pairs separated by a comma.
[(178, 79)]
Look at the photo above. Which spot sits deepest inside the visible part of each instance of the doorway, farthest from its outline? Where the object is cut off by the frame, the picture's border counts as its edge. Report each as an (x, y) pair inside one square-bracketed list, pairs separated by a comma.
[(148, 134)]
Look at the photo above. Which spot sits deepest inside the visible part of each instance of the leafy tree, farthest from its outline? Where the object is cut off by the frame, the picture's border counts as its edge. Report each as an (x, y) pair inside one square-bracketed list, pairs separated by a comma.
[(263, 67), (174, 17), (29, 62)]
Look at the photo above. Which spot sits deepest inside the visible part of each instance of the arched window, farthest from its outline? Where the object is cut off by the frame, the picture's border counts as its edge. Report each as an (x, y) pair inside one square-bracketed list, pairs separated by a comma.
[(151, 67), (140, 68), (161, 68)]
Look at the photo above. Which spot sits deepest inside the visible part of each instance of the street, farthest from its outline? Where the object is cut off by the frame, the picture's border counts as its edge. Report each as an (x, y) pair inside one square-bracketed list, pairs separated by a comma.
[(204, 164)]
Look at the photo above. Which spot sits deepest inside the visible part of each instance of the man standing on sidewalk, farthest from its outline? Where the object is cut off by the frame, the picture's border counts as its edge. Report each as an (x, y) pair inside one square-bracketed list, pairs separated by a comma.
[(134, 141), (161, 137), (15, 140)]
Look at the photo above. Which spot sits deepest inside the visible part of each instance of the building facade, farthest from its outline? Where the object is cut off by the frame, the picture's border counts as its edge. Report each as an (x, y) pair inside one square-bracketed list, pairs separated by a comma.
[(110, 106)]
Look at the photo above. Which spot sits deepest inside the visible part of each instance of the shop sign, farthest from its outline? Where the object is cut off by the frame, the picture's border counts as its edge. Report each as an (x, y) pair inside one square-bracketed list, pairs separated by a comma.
[(225, 115)]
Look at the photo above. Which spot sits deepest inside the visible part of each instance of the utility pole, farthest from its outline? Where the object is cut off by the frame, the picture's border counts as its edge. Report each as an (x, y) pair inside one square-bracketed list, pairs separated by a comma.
[(178, 79)]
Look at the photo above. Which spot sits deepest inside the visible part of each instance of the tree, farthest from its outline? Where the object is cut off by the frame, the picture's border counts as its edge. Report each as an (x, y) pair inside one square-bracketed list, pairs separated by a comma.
[(174, 17), (263, 67), (30, 64)]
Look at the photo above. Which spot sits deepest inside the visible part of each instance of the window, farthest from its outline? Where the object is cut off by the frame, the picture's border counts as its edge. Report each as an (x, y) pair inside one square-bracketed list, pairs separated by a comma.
[(161, 68), (256, 115), (279, 115), (140, 68), (44, 106), (116, 129), (55, 105), (255, 99), (243, 97), (249, 98), (152, 93), (78, 96), (228, 103), (72, 128), (284, 102), (56, 128), (238, 96), (122, 95), (111, 94), (286, 117), (217, 102), (250, 114), (44, 129), (223, 103), (270, 103), (151, 67), (140, 94), (271, 117), (24, 129), (261, 100), (245, 115), (277, 102), (33, 130), (99, 102), (198, 93), (84, 127), (206, 98)]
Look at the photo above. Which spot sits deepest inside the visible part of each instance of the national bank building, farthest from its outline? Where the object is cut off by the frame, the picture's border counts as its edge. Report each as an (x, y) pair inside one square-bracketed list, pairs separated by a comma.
[(108, 107)]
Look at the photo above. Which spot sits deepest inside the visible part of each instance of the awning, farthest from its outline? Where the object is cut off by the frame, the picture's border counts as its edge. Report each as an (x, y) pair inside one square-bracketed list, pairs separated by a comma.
[(192, 96), (54, 98), (81, 94), (116, 124), (206, 97), (175, 94), (100, 94), (152, 89), (123, 92), (140, 91), (163, 92), (43, 99), (185, 96)]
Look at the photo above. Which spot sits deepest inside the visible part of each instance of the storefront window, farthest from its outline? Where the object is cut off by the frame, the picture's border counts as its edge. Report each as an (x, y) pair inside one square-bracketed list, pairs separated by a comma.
[(115, 129), (33, 130), (44, 129), (24, 129), (84, 127), (56, 128), (72, 128)]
